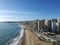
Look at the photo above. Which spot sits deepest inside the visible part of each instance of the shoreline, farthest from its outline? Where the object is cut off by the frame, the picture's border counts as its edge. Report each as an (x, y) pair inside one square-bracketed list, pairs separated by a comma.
[(18, 40), (23, 40), (22, 35)]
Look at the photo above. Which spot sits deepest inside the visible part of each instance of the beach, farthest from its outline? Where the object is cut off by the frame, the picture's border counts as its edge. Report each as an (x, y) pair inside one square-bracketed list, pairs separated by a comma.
[(30, 38)]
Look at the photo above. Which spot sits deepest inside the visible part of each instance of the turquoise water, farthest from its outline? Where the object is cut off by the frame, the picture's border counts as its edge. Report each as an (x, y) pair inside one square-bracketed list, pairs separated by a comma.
[(8, 31)]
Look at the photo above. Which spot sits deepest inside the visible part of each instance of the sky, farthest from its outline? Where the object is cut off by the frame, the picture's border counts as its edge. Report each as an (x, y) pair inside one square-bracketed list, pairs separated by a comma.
[(22, 10)]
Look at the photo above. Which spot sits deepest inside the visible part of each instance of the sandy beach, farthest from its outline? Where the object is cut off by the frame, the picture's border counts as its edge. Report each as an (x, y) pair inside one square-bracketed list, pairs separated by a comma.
[(31, 39)]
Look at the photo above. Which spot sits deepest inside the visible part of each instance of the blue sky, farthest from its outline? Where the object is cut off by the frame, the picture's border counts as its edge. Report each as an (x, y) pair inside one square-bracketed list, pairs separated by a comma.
[(17, 10)]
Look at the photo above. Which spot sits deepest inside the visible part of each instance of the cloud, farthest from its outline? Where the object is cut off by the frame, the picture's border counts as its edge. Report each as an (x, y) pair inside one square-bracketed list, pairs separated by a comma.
[(2, 11), (7, 15)]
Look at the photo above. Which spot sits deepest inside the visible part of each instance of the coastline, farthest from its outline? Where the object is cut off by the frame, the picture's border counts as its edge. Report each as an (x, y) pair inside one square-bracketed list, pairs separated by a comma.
[(22, 40), (22, 36), (18, 40)]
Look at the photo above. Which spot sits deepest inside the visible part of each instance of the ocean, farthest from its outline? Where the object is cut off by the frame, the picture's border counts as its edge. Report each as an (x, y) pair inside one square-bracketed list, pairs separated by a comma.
[(9, 33)]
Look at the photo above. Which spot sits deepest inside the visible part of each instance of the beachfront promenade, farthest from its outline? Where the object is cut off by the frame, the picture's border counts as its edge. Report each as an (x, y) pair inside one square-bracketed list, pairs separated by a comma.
[(31, 38)]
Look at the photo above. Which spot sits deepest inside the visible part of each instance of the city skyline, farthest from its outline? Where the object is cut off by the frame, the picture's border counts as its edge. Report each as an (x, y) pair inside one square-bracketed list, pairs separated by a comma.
[(20, 10)]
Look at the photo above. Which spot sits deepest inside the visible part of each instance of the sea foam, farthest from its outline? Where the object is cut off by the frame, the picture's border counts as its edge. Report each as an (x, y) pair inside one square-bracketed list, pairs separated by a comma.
[(17, 40)]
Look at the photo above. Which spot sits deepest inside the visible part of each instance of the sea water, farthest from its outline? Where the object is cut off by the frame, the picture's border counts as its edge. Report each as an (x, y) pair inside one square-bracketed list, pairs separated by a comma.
[(9, 32)]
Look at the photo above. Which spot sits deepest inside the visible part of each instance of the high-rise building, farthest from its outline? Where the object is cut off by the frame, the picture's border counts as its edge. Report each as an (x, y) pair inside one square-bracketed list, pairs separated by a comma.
[(42, 24), (54, 27), (58, 20), (58, 26), (35, 25), (54, 20), (48, 25)]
